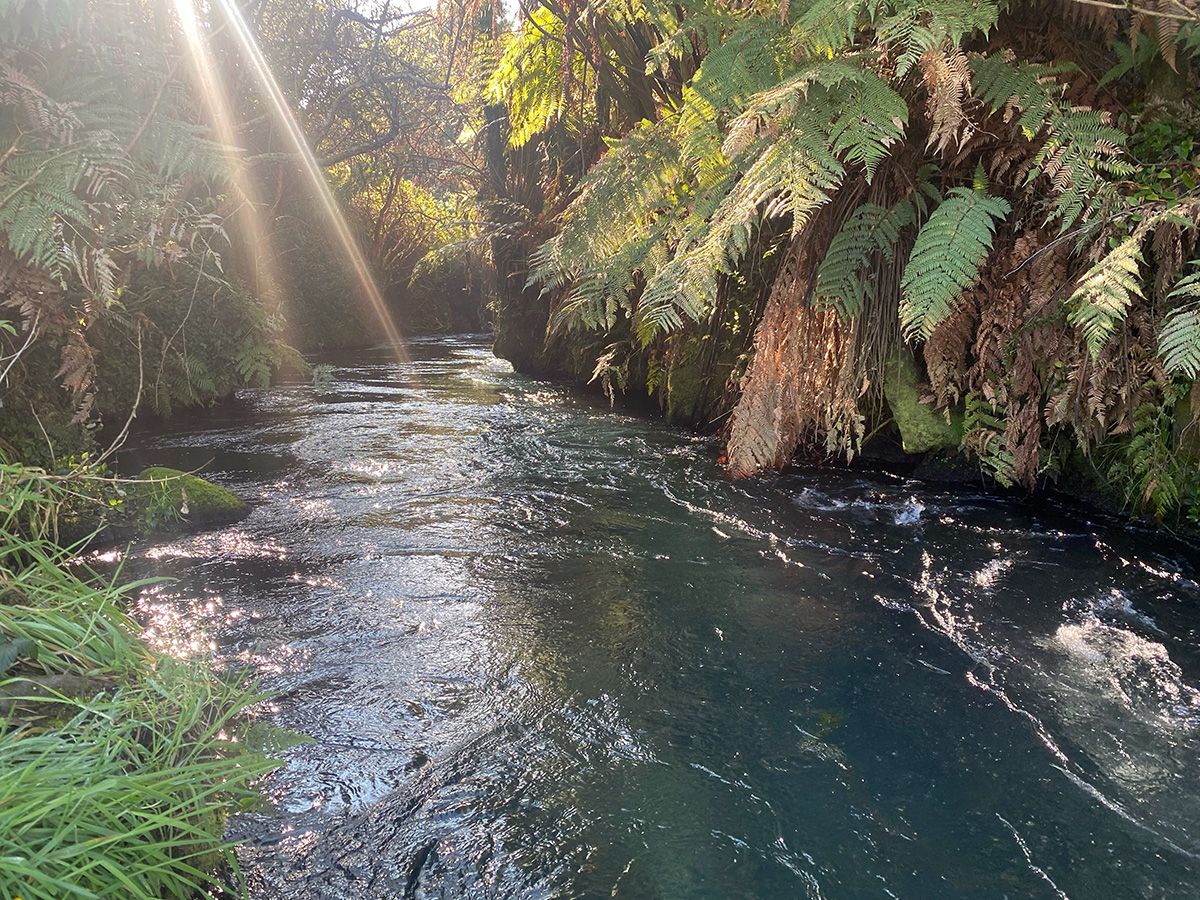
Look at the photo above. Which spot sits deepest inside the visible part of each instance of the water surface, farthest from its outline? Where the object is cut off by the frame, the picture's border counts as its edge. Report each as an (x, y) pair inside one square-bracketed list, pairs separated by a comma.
[(547, 650)]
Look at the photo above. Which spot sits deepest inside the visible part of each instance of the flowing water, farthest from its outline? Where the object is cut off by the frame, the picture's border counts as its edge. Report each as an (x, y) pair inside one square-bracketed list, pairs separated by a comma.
[(544, 649)]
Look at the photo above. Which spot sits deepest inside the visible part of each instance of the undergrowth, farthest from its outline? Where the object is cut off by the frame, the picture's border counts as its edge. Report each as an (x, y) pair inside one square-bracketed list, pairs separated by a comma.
[(118, 765)]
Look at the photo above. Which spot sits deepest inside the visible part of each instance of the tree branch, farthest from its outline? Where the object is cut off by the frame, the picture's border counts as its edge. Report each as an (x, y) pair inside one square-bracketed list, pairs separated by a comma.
[(1186, 16)]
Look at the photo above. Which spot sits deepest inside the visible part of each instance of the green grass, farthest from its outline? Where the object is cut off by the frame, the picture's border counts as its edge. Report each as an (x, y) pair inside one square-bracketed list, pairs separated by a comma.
[(118, 766)]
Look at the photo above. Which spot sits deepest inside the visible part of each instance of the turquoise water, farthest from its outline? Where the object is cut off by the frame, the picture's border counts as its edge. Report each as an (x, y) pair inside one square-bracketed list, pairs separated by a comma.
[(544, 649)]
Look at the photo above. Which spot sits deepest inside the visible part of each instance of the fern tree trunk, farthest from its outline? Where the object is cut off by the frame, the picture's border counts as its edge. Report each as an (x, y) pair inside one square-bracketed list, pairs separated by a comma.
[(515, 200)]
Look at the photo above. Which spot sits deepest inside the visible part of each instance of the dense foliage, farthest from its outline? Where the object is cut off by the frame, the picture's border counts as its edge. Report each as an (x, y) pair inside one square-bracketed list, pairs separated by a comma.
[(966, 227), (1007, 190), (161, 245)]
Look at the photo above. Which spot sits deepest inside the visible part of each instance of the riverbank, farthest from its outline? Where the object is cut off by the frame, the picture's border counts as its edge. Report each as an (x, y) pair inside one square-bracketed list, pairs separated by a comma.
[(912, 440), (119, 765)]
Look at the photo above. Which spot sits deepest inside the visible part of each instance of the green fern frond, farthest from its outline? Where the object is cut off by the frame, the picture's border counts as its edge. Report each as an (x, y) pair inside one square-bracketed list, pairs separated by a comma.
[(1147, 463), (1179, 335), (743, 64), (1080, 152), (870, 230), (870, 118), (946, 257), (623, 194), (529, 77), (912, 29), (600, 294), (984, 427), (826, 27), (1104, 294)]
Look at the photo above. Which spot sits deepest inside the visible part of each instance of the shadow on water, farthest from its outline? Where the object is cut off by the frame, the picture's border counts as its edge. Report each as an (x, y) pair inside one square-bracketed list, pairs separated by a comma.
[(544, 649)]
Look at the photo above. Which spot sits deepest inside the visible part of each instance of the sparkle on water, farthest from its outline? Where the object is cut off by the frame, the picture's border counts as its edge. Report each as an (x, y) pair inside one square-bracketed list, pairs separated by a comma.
[(545, 649)]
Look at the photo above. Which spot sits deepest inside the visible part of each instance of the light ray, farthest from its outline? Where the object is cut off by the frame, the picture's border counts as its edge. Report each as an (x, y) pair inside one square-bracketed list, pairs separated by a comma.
[(259, 251), (283, 113)]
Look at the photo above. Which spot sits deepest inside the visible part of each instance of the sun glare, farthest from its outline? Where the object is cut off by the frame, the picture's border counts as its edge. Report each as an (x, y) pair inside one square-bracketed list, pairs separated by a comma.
[(260, 250), (217, 97)]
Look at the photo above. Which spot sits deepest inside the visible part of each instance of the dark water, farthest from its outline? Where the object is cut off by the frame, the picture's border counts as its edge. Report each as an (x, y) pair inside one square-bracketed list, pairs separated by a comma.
[(546, 650)]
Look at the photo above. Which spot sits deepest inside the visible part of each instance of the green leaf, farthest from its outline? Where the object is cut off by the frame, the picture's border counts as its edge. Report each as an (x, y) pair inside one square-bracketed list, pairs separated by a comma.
[(946, 257), (1179, 335)]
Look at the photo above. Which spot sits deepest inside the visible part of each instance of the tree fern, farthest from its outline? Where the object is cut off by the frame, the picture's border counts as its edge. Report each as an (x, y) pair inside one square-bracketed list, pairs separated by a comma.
[(1179, 335), (946, 256), (783, 155)]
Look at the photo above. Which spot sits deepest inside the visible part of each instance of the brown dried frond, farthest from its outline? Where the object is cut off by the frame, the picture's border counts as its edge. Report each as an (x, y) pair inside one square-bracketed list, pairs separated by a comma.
[(1001, 345), (1167, 245), (31, 293), (1161, 29), (947, 75), (793, 381), (946, 352), (1100, 396), (1086, 15)]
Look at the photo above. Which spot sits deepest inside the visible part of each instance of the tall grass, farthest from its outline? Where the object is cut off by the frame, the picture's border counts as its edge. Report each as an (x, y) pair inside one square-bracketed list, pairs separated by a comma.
[(118, 766)]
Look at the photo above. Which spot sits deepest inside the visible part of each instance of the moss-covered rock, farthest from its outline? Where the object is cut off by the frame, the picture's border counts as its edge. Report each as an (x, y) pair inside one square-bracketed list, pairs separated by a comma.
[(165, 499), (922, 428)]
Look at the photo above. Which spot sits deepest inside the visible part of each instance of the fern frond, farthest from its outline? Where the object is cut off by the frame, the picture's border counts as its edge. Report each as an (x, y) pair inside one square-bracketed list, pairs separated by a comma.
[(1079, 150), (946, 256), (947, 75), (984, 427), (743, 64), (871, 117), (1104, 294), (599, 294), (1179, 335), (529, 77), (870, 230), (825, 27), (914, 29), (623, 193)]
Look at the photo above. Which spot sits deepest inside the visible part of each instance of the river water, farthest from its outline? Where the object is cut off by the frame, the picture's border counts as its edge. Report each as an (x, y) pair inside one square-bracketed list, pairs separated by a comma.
[(544, 649)]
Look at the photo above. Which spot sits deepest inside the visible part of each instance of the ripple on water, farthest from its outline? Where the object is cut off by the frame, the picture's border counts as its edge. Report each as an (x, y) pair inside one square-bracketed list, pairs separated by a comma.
[(547, 650)]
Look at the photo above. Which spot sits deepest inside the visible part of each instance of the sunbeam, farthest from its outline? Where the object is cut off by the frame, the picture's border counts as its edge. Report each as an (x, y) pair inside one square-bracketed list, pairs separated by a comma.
[(278, 105), (259, 251)]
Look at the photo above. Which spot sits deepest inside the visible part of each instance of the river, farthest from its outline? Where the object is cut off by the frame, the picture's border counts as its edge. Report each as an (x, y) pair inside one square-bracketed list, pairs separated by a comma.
[(546, 649)]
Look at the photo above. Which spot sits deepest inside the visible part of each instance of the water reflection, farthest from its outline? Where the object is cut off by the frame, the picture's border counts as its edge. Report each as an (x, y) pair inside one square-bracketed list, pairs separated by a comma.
[(545, 649)]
